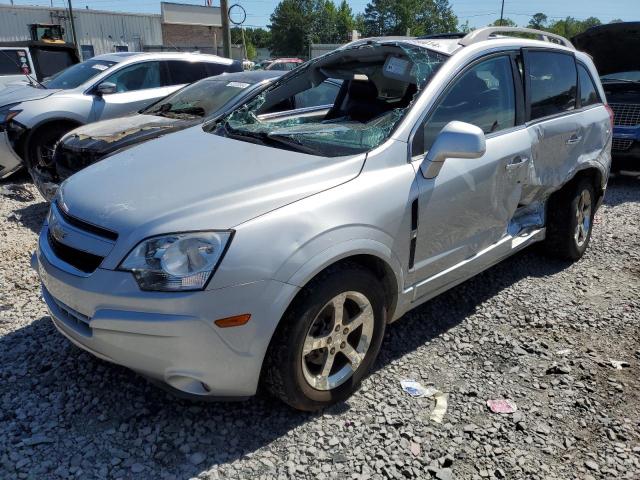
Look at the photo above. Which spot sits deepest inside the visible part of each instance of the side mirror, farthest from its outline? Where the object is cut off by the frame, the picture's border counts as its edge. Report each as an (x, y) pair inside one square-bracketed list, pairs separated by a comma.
[(106, 88), (455, 140)]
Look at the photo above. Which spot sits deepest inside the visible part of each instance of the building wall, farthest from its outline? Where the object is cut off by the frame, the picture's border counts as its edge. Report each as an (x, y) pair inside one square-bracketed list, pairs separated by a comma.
[(102, 30), (192, 36)]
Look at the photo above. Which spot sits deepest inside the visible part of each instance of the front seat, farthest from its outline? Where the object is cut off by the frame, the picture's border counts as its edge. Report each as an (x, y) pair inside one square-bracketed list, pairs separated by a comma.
[(363, 103)]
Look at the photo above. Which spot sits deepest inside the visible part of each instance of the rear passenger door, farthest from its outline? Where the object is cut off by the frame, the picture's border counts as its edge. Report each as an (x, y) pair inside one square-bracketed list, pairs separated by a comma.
[(554, 124)]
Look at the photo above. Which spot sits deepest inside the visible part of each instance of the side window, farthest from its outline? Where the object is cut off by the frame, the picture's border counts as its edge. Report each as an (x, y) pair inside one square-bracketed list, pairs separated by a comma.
[(136, 77), (181, 72), (588, 92), (484, 96), (323, 94), (553, 83)]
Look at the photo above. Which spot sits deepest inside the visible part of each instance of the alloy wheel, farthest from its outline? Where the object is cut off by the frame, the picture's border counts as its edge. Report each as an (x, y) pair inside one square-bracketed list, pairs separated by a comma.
[(583, 217), (337, 341)]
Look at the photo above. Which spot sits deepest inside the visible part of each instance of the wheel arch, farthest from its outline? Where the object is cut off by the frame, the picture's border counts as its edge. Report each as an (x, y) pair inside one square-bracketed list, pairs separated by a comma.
[(73, 123), (372, 255)]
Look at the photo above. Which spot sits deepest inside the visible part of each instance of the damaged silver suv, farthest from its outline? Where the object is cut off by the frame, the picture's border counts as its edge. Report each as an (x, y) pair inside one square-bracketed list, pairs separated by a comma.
[(273, 247)]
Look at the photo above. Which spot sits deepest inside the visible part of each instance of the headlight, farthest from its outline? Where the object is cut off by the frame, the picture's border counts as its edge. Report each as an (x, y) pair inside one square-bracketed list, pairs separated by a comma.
[(176, 262)]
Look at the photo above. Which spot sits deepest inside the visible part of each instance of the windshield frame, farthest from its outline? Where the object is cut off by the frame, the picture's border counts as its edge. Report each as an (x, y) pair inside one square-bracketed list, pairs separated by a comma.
[(406, 46)]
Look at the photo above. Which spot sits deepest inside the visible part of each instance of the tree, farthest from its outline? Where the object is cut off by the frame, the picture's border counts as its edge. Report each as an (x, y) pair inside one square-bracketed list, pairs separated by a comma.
[(538, 21), (505, 22), (345, 22), (291, 25), (570, 26), (417, 17)]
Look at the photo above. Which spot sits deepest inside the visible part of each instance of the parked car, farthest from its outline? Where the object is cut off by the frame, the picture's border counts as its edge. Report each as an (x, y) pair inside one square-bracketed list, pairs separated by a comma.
[(188, 106), (285, 64), (274, 248), (32, 62), (614, 48), (34, 117)]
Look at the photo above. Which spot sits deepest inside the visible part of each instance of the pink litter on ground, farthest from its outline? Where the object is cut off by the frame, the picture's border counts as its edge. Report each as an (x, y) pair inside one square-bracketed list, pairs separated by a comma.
[(502, 406)]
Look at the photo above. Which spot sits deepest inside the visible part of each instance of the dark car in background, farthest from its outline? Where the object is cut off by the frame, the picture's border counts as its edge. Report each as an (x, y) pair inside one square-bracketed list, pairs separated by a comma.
[(615, 48), (184, 108)]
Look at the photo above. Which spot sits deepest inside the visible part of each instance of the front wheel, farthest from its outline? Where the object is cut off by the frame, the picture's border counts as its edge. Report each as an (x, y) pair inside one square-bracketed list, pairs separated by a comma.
[(328, 340), (40, 156), (570, 220)]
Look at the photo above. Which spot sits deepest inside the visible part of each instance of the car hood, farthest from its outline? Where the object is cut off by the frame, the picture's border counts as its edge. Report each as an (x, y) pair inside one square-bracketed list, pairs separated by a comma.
[(23, 93), (102, 138), (613, 46), (192, 180)]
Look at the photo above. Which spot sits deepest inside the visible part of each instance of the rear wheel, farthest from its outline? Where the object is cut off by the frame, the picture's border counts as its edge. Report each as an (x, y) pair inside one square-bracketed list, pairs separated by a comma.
[(570, 220), (328, 340)]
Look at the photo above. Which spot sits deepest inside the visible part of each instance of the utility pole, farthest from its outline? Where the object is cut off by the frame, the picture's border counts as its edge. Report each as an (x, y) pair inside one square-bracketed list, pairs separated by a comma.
[(501, 12), (226, 31), (73, 27)]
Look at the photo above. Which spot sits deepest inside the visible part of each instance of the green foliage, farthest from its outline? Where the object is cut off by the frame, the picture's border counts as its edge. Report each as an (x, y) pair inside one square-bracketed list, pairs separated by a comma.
[(416, 17), (505, 22), (254, 37), (297, 23), (538, 21), (570, 27)]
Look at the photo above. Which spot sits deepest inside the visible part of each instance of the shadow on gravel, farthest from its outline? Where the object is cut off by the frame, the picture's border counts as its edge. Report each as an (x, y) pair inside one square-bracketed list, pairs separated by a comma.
[(623, 188), (31, 216)]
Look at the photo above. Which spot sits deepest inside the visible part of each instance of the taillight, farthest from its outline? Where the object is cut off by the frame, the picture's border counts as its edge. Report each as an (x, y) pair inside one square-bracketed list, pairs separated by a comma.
[(611, 115)]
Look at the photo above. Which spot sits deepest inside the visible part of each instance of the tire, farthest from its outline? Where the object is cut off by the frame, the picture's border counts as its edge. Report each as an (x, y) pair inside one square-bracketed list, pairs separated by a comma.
[(294, 373), (570, 220), (41, 145)]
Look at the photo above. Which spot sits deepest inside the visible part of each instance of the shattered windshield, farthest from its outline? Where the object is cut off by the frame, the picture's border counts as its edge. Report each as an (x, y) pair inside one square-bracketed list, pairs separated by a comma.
[(379, 84), (198, 100)]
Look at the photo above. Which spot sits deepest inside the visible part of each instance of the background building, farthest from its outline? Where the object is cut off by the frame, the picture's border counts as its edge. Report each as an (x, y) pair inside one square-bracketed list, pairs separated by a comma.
[(179, 27)]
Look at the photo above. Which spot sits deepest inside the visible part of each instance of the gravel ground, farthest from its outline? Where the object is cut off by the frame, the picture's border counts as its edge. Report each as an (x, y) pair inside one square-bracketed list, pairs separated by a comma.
[(538, 332)]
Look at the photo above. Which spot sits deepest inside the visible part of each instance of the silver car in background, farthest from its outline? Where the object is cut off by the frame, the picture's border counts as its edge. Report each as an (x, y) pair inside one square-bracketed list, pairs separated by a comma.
[(34, 117), (274, 248)]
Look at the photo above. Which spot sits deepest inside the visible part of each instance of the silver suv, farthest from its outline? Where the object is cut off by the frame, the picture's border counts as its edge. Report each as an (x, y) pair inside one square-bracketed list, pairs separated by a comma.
[(34, 117), (276, 247)]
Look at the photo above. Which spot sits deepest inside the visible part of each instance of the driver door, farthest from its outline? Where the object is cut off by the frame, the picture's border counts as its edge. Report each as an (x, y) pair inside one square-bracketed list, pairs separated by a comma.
[(137, 86), (468, 205)]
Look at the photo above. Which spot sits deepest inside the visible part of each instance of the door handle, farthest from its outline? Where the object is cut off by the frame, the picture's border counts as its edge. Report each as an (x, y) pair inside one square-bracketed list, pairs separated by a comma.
[(573, 139), (516, 162)]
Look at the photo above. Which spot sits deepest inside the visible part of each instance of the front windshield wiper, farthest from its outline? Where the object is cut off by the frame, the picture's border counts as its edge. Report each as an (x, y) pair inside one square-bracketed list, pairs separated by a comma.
[(624, 80), (267, 139), (291, 144)]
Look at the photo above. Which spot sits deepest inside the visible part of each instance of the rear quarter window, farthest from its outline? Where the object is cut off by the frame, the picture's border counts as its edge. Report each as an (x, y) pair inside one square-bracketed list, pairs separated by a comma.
[(588, 91), (553, 83)]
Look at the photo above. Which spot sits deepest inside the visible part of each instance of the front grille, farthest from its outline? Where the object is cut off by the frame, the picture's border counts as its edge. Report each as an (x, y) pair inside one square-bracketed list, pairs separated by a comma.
[(626, 114), (83, 261), (621, 144), (89, 227)]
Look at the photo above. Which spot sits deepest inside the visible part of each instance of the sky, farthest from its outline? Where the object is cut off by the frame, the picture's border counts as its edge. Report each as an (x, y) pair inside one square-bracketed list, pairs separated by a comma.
[(477, 12)]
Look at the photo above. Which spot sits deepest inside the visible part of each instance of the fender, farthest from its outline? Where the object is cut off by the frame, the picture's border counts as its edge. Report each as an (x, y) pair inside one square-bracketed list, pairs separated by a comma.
[(340, 251)]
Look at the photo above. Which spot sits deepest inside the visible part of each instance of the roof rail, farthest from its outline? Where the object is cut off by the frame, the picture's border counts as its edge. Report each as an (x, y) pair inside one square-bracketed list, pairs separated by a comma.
[(482, 34)]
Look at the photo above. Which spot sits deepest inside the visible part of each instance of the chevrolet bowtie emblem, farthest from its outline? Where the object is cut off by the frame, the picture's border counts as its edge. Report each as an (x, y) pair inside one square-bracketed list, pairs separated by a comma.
[(57, 231)]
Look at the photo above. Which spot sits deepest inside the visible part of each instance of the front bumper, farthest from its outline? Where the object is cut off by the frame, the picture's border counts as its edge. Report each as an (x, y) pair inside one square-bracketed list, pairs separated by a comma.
[(10, 162), (169, 337)]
